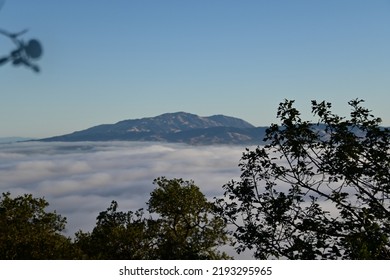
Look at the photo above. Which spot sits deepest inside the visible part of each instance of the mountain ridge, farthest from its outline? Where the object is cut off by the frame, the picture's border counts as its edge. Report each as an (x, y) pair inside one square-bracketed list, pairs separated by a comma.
[(178, 127)]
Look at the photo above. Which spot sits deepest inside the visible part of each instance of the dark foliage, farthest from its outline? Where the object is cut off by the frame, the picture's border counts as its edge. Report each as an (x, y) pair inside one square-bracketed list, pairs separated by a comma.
[(315, 190), (188, 226), (28, 232), (118, 236), (183, 226)]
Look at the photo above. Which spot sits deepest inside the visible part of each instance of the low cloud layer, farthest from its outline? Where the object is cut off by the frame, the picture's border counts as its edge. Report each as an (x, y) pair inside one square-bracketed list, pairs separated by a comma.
[(81, 179)]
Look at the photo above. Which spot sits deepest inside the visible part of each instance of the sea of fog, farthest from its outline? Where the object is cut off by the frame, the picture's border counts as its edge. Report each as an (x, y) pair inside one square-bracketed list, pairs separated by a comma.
[(80, 179)]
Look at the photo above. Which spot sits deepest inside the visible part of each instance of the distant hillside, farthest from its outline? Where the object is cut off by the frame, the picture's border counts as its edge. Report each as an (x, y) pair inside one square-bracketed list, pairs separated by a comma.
[(177, 127), (5, 140)]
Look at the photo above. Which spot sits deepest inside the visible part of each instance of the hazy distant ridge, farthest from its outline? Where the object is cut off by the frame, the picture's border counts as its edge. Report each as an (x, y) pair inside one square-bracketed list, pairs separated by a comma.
[(177, 127), (7, 140)]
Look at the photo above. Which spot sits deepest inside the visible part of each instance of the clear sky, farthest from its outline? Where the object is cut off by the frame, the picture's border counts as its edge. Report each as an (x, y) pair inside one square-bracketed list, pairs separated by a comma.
[(107, 61)]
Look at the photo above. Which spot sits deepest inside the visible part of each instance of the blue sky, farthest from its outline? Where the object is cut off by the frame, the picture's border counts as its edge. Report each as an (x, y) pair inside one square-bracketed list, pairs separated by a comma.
[(107, 61)]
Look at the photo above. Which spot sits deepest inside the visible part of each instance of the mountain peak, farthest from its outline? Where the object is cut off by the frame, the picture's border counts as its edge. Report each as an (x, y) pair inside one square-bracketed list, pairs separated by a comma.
[(169, 127)]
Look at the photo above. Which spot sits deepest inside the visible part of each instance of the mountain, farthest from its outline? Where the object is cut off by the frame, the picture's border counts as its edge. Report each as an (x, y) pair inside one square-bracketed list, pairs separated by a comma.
[(177, 127)]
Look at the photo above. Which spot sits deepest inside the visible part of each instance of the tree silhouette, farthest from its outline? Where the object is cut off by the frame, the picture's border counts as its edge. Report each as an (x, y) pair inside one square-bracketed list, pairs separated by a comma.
[(343, 163), (119, 235), (186, 227), (28, 231)]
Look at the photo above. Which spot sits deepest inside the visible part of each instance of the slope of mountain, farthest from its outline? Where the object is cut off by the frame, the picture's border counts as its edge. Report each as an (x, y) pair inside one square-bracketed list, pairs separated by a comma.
[(177, 127)]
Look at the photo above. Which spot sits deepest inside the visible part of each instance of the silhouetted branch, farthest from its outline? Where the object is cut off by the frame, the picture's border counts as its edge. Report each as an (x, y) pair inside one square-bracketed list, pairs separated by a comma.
[(25, 53)]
